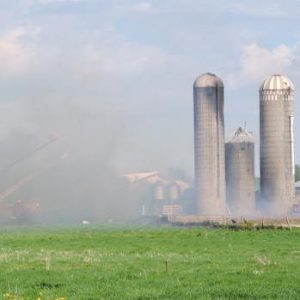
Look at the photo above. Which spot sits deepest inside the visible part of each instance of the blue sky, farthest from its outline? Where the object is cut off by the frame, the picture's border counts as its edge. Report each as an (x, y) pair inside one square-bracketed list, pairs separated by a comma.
[(118, 75)]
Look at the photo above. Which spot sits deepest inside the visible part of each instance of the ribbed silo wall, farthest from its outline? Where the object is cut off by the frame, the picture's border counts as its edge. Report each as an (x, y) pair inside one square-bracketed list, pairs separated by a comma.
[(209, 150), (276, 150), (240, 178)]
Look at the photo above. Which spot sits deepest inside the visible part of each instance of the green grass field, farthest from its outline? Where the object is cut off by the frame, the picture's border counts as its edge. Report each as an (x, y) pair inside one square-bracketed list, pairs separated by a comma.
[(148, 263)]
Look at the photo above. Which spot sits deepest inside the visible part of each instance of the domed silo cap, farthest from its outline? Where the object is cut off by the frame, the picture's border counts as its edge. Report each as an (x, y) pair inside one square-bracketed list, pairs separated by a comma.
[(277, 82), (242, 136), (208, 80)]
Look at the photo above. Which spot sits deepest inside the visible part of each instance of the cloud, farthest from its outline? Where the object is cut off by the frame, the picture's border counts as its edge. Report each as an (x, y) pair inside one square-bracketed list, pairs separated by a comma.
[(125, 58), (256, 62), (23, 52), (274, 10), (142, 7), (101, 74), (16, 52), (60, 1)]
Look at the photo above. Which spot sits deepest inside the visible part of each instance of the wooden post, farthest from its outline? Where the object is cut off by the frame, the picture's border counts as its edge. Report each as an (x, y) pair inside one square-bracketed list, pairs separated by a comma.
[(288, 223)]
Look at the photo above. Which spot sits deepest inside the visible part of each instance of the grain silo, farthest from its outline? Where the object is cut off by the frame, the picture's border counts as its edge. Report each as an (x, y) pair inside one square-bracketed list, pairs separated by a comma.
[(158, 192), (277, 144), (240, 177), (209, 144)]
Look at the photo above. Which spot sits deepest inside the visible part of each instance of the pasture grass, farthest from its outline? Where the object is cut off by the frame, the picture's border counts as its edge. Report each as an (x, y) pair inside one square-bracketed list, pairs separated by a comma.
[(101, 262)]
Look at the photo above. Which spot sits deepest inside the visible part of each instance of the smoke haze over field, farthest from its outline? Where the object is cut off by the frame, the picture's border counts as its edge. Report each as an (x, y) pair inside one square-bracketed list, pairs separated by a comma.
[(112, 81), (76, 177)]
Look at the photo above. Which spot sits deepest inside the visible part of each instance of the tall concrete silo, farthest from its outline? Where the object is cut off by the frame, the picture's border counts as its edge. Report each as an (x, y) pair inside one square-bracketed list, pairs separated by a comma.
[(209, 144), (277, 144), (240, 177)]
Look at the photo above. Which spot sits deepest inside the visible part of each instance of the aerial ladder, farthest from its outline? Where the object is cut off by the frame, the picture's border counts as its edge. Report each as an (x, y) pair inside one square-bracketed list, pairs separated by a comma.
[(17, 209)]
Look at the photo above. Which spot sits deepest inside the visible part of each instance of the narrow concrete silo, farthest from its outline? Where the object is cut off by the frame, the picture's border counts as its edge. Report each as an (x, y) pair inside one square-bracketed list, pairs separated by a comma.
[(240, 177), (277, 144), (209, 145)]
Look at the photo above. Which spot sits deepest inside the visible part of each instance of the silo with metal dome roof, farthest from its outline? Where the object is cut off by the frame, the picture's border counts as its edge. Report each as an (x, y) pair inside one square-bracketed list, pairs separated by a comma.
[(240, 175), (209, 145), (277, 144)]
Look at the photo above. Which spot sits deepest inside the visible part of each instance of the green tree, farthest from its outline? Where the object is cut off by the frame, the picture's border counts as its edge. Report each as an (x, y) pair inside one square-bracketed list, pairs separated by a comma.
[(297, 173)]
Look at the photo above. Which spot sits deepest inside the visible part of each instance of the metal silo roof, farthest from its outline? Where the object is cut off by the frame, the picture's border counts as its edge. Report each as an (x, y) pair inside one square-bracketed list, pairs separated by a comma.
[(208, 80), (277, 82), (242, 136)]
